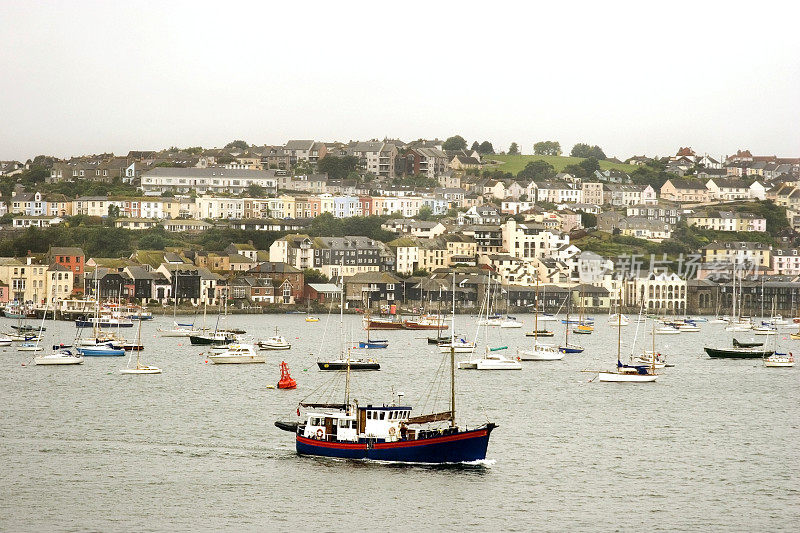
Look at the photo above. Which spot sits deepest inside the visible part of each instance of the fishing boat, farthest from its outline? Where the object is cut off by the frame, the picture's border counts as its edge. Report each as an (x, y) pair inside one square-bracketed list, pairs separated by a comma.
[(276, 342), (568, 347), (389, 432), (627, 373), (139, 368), (238, 354), (61, 357), (779, 360)]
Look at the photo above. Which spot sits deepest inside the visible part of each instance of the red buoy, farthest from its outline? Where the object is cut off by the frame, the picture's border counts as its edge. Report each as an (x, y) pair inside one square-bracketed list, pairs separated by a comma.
[(286, 381)]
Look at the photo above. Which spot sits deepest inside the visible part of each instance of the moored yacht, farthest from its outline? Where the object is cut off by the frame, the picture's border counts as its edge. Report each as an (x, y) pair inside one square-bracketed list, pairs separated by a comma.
[(238, 354)]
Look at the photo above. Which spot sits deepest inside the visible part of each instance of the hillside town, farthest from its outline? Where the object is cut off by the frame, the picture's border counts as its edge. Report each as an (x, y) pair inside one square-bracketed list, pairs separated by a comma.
[(598, 234)]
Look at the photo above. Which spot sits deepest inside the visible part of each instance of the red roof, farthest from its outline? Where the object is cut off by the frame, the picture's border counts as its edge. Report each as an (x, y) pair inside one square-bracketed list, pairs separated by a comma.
[(685, 151)]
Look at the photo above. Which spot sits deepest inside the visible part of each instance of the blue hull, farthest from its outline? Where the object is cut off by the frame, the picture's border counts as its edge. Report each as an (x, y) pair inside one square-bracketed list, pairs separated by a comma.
[(569, 350), (94, 352), (87, 324), (462, 447), (374, 344)]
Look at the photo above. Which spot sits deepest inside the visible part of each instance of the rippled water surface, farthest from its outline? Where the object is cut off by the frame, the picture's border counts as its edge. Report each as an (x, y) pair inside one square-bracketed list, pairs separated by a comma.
[(711, 446)]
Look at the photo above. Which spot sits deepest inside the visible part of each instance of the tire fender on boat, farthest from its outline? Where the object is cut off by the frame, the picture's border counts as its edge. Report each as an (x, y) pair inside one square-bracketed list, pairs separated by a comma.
[(320, 433), (391, 431)]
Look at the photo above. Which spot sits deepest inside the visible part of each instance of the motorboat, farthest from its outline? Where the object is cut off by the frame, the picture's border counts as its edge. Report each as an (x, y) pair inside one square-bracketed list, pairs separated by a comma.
[(5, 340), (541, 352), (30, 347), (217, 338), (276, 342), (238, 354), (779, 360), (61, 357), (312, 319)]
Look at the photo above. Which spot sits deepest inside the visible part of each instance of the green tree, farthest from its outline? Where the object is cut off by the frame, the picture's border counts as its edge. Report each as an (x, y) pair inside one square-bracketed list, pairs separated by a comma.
[(241, 145), (425, 212), (537, 171), (113, 211), (588, 220), (513, 149), (312, 275), (584, 150), (485, 148), (547, 148), (254, 190), (337, 167), (589, 165), (475, 147), (457, 142)]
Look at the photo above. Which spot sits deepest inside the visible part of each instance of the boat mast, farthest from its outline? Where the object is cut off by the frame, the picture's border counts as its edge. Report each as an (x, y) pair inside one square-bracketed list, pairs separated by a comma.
[(619, 332), (453, 360), (536, 314), (566, 331)]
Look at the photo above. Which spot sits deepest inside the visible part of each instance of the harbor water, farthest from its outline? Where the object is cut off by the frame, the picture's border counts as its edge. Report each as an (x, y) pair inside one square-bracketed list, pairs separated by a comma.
[(712, 445)]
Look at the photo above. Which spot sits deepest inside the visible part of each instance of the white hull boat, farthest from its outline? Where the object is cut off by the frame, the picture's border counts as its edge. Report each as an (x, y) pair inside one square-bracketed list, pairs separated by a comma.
[(688, 328), (617, 377), (457, 346), (668, 330), (277, 342), (765, 331), (500, 363), (541, 352), (63, 357), (142, 369), (238, 354), (618, 320), (779, 361), (6, 341), (29, 347), (510, 323)]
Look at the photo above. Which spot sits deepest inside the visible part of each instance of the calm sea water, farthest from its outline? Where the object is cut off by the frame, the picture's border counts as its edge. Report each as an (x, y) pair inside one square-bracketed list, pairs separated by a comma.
[(711, 446)]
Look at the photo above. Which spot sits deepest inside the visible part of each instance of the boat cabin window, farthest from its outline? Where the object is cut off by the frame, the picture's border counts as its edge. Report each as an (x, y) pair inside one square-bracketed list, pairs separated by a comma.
[(383, 415), (369, 415)]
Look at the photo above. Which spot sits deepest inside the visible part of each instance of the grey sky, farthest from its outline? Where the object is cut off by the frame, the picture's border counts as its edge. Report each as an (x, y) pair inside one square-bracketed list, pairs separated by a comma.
[(86, 77)]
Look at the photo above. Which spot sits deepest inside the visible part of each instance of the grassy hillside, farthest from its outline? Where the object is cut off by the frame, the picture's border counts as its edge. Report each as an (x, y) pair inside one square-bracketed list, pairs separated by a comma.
[(515, 163)]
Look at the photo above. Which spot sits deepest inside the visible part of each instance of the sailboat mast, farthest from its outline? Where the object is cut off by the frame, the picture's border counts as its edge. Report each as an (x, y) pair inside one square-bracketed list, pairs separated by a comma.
[(566, 330), (619, 331), (453, 360), (536, 314)]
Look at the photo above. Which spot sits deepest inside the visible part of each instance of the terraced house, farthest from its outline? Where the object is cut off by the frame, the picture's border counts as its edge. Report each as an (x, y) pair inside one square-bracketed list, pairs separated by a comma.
[(206, 180)]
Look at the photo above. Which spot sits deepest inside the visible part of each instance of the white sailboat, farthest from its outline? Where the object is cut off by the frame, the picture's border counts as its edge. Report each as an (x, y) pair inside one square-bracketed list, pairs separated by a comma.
[(491, 360), (139, 368), (627, 373), (540, 351)]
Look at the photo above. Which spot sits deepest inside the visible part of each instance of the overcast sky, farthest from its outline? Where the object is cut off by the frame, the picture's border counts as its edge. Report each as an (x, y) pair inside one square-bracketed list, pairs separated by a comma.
[(88, 77)]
